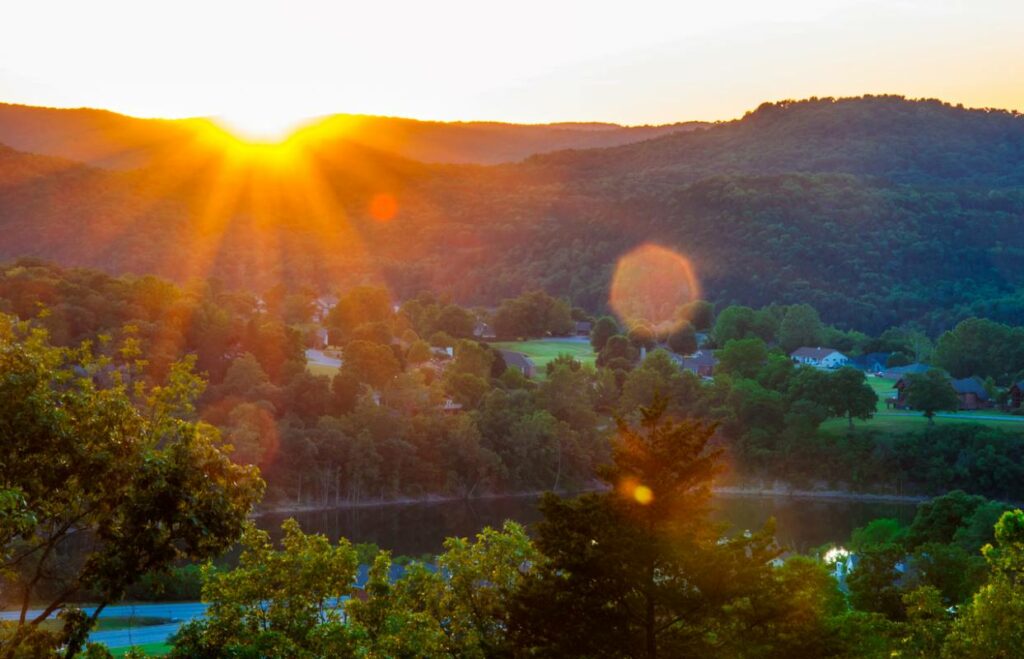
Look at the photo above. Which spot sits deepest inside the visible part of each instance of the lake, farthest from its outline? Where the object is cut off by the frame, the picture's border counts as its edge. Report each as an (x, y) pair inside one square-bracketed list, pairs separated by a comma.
[(420, 528)]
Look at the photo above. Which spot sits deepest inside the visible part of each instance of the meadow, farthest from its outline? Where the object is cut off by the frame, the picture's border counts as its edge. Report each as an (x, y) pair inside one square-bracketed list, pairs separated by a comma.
[(542, 351)]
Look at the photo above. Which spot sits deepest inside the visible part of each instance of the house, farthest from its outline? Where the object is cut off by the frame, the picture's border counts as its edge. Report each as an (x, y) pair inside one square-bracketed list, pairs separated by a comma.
[(873, 362), (898, 372), (1016, 395), (583, 328), (519, 361), (450, 406), (819, 357), (483, 331), (701, 363), (322, 307), (970, 392)]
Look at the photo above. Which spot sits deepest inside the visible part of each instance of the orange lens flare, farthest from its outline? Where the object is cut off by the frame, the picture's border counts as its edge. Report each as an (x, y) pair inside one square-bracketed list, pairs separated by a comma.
[(631, 488), (383, 207), (650, 285)]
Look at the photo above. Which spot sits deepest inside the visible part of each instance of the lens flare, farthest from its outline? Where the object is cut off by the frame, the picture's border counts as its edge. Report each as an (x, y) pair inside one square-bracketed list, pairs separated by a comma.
[(383, 207), (631, 488), (650, 285)]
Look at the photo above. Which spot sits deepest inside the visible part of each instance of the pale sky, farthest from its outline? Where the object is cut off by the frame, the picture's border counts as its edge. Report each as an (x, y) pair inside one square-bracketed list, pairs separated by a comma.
[(632, 61)]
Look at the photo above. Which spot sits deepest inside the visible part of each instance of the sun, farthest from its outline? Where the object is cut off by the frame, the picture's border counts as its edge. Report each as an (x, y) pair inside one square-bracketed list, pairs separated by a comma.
[(261, 125)]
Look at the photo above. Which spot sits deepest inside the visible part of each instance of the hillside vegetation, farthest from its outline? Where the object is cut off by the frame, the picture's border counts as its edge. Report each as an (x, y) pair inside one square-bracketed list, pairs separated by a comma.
[(875, 210)]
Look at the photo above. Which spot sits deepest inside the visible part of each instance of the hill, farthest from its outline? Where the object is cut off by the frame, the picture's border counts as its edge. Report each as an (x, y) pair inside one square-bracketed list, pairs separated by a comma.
[(876, 210), (115, 141)]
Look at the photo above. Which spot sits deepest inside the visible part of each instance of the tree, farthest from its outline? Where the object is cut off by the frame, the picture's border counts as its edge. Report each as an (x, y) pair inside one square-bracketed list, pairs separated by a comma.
[(981, 347), (990, 625), (699, 313), (362, 304), (801, 326), (456, 321), (742, 357), (284, 602), (115, 462), (616, 350), (641, 336), (294, 601), (419, 352), (533, 314), (873, 582), (931, 392), (850, 395), (640, 570), (683, 341), (603, 329), (370, 363)]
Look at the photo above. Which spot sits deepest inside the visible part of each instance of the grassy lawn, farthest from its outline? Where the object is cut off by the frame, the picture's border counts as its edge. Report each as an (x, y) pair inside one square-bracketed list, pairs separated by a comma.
[(887, 420), (321, 369), (542, 351), (151, 649)]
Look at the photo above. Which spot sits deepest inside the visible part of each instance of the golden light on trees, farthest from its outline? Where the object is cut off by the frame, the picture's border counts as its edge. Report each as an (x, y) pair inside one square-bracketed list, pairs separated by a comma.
[(650, 285)]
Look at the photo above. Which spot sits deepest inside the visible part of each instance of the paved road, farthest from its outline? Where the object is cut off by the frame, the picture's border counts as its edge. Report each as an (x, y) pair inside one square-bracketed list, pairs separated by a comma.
[(177, 612), (318, 357), (963, 417)]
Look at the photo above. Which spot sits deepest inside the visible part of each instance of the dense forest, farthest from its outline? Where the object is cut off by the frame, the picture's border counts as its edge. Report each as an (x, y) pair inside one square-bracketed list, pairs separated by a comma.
[(875, 210)]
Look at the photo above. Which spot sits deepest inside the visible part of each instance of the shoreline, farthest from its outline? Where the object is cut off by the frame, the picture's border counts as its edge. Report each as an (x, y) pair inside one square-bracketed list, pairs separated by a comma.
[(727, 491)]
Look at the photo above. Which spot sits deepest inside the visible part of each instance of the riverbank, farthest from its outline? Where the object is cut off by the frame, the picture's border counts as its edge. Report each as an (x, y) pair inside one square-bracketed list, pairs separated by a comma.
[(776, 492)]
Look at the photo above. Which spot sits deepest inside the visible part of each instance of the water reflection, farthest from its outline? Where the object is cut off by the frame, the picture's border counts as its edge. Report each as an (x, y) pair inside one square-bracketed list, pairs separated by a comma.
[(416, 529)]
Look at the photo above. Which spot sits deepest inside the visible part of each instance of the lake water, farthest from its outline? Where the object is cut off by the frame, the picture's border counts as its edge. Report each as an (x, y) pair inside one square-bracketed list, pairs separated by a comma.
[(416, 529)]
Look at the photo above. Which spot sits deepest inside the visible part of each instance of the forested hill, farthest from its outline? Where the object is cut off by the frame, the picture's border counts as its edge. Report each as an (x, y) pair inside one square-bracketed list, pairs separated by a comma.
[(886, 136), (110, 140), (874, 210)]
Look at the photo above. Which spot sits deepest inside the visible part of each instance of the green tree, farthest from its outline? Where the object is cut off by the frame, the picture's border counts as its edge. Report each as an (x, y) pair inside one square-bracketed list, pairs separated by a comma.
[(699, 313), (605, 328), (850, 395), (640, 570), (931, 392), (419, 352), (990, 625), (117, 463), (801, 326), (370, 363), (742, 357), (683, 341), (362, 304)]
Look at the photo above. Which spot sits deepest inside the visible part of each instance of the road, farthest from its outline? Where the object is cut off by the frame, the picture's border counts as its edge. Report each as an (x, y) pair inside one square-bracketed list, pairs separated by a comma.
[(318, 357), (963, 417), (177, 612)]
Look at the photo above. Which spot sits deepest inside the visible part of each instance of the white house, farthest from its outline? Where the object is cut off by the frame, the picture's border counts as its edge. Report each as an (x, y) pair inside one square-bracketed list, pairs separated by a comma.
[(819, 357)]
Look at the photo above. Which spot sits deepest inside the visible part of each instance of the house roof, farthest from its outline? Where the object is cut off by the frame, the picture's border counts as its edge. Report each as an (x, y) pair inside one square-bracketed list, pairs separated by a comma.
[(702, 357), (813, 353), (517, 359), (972, 385), (896, 372)]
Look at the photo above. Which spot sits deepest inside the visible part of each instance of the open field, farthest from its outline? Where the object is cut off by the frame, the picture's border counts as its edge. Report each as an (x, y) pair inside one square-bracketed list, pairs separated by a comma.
[(322, 369), (887, 420), (542, 351), (151, 649)]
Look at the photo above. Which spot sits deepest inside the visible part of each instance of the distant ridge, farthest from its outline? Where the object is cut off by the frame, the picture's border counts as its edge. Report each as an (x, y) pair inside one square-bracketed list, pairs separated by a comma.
[(115, 141)]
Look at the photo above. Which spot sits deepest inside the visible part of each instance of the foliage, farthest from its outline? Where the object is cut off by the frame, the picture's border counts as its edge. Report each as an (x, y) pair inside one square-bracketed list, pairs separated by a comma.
[(931, 392), (87, 451)]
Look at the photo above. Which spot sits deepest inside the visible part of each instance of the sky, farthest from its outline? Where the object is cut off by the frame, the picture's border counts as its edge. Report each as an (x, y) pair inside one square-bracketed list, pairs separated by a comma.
[(265, 64)]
